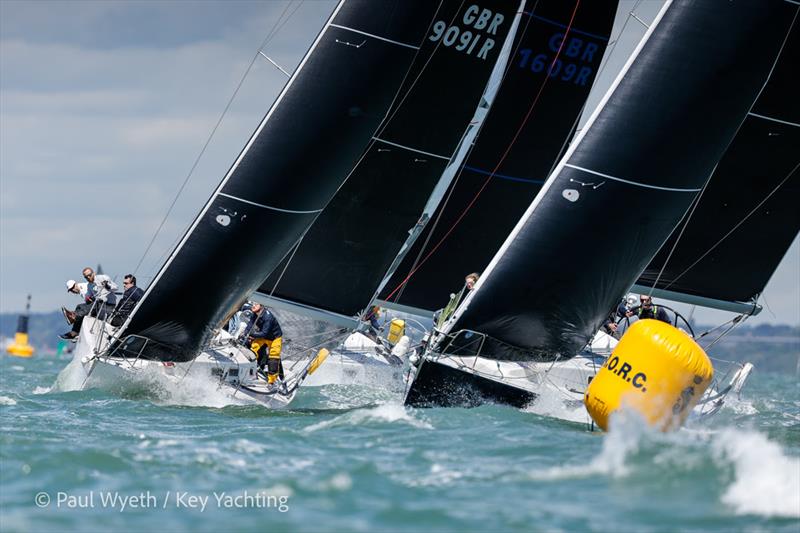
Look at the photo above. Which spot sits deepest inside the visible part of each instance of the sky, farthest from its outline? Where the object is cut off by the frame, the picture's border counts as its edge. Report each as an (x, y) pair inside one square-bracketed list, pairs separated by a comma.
[(106, 106)]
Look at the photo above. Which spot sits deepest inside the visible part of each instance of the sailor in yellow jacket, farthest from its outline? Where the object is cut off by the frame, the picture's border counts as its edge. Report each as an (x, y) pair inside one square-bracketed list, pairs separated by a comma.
[(265, 337)]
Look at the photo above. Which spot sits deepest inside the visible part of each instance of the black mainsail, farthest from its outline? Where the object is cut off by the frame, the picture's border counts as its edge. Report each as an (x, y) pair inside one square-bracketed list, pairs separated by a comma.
[(644, 156), (344, 256), (533, 116), (304, 148), (747, 217)]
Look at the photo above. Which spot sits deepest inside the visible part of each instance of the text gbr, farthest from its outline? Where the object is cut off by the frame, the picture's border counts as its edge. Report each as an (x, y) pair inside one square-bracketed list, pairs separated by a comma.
[(476, 18), (576, 55)]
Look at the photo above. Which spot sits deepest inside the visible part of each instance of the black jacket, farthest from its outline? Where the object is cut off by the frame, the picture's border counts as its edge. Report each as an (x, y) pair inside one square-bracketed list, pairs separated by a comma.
[(129, 299), (263, 326)]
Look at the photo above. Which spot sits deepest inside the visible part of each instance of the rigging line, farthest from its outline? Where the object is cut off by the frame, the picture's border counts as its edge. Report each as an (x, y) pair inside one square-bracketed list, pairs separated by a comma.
[(736, 322), (451, 190), (285, 21), (208, 141), (613, 46), (715, 328), (502, 158), (742, 221), (289, 260), (697, 200)]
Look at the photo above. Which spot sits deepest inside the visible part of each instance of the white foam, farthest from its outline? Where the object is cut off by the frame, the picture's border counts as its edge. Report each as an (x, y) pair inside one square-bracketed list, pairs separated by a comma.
[(555, 405), (5, 400), (18, 368), (42, 390), (740, 406), (194, 390), (388, 412), (439, 475), (625, 439), (72, 377), (767, 482)]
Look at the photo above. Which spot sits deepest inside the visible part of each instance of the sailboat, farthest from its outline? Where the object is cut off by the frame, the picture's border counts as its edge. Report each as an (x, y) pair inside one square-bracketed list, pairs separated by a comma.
[(373, 227), (383, 86), (706, 89)]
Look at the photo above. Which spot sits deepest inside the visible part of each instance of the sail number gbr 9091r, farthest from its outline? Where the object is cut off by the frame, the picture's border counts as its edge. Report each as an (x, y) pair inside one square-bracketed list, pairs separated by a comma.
[(466, 40)]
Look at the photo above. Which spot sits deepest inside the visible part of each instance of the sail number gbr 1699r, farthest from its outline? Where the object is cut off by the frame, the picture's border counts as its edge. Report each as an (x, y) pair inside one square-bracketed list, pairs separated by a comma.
[(465, 39)]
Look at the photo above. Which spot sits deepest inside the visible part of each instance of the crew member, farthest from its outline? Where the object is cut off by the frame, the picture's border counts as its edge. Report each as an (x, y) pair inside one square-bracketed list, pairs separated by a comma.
[(129, 299), (442, 315), (99, 301), (648, 310), (265, 337)]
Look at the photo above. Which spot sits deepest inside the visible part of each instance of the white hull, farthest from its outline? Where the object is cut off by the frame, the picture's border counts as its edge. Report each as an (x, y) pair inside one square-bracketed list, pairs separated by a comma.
[(359, 361), (225, 369)]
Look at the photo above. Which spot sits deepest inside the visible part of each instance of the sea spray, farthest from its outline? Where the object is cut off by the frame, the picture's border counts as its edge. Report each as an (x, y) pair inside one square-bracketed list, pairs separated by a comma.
[(766, 480), (388, 413)]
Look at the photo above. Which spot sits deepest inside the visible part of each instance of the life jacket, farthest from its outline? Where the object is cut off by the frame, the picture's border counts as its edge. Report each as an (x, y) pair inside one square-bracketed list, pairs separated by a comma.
[(653, 310)]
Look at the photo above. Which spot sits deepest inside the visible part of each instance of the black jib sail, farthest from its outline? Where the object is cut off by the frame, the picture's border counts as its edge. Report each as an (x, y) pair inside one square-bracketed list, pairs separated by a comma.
[(533, 117), (347, 251), (747, 217), (306, 145), (626, 181)]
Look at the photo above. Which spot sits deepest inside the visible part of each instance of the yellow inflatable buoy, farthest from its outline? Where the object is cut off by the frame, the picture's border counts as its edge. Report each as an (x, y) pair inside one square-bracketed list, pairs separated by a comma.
[(656, 370), (322, 354), (397, 328), (20, 347)]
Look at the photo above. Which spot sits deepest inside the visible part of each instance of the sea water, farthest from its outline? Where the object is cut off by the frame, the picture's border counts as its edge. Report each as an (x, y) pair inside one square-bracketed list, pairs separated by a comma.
[(355, 459)]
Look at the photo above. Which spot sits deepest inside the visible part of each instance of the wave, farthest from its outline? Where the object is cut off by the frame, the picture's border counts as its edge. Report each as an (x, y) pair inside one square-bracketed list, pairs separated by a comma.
[(754, 475), (767, 481), (5, 400), (388, 412), (554, 405)]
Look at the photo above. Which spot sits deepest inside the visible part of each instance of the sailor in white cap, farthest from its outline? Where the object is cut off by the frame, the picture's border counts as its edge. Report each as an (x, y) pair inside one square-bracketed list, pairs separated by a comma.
[(75, 288)]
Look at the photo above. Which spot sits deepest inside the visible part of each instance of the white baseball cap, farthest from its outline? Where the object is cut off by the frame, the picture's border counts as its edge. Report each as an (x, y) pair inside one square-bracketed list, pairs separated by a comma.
[(70, 284)]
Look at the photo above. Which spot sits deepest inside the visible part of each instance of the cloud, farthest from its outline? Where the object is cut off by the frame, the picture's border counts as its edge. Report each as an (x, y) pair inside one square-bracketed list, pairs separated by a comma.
[(104, 107)]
